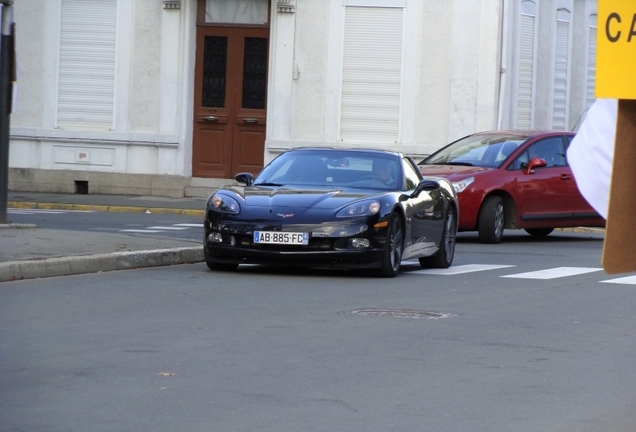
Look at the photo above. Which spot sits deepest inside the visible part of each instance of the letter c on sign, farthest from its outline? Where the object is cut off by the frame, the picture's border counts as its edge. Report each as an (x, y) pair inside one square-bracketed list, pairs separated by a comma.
[(617, 17)]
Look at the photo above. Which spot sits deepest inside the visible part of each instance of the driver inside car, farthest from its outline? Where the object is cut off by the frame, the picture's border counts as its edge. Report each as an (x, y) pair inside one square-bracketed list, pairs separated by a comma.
[(382, 169)]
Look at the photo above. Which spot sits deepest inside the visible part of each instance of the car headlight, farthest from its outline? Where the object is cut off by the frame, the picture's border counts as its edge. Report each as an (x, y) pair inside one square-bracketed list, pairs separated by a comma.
[(362, 208), (462, 184), (224, 203)]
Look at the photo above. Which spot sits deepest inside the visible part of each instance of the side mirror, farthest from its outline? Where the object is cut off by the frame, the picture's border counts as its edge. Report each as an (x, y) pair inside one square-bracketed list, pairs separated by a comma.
[(535, 163), (425, 185), (244, 178)]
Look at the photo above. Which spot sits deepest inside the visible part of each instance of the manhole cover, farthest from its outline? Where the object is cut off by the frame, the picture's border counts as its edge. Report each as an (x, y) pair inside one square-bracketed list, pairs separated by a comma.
[(403, 313)]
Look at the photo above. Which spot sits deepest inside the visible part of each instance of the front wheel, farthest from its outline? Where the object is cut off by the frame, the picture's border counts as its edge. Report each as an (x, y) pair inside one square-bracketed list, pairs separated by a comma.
[(393, 246), (491, 220), (444, 256), (539, 232)]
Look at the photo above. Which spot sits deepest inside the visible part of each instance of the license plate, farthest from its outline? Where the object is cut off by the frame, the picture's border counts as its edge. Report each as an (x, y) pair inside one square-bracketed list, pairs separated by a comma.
[(278, 237)]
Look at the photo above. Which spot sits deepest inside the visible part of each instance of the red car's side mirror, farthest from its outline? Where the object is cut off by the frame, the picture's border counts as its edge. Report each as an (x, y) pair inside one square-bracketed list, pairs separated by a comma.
[(535, 163)]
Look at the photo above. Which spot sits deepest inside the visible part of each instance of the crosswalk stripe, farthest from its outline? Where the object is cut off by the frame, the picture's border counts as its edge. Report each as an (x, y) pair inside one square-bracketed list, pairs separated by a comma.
[(140, 230), (554, 273), (189, 225), (168, 228), (461, 269), (630, 280)]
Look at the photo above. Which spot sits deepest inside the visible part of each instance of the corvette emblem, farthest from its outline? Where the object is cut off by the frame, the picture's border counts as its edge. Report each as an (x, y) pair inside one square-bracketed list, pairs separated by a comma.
[(285, 215)]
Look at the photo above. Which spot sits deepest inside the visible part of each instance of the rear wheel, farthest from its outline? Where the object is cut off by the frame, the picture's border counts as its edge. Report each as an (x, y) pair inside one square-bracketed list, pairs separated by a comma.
[(539, 232), (444, 256), (393, 246), (491, 220)]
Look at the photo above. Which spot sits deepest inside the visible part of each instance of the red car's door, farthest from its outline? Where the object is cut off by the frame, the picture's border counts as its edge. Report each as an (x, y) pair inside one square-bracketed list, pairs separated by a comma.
[(577, 203), (544, 192)]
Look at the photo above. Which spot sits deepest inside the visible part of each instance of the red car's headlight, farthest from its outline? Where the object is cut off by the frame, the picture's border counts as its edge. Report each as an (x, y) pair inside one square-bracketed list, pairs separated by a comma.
[(462, 184)]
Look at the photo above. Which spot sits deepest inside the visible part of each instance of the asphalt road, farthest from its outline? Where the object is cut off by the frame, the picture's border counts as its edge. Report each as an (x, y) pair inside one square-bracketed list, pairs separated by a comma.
[(507, 343), (143, 224)]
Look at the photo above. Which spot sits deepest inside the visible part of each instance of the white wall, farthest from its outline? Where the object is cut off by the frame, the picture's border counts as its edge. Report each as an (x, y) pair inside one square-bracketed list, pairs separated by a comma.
[(544, 65), (450, 73), (151, 130), (457, 78)]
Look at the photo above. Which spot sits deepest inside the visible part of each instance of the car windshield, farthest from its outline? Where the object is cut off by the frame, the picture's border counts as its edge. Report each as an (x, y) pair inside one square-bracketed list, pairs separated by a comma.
[(342, 169), (483, 150)]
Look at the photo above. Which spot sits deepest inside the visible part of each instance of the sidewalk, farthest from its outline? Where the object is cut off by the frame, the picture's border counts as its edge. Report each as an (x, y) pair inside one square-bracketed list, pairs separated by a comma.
[(27, 251)]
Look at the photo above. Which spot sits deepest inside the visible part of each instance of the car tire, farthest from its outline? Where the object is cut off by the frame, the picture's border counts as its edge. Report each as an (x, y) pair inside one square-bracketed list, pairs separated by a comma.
[(539, 232), (444, 256), (221, 266), (491, 221), (393, 247)]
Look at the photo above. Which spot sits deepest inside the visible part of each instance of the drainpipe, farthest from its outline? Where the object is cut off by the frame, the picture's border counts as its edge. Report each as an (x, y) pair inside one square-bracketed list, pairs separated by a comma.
[(503, 61), (6, 72)]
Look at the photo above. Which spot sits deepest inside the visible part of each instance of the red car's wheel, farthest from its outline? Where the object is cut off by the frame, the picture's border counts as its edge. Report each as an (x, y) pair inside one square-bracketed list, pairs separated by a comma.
[(539, 232), (491, 220)]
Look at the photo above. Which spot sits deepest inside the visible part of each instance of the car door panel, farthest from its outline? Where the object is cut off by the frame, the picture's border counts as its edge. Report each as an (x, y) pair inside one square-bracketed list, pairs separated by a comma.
[(544, 191)]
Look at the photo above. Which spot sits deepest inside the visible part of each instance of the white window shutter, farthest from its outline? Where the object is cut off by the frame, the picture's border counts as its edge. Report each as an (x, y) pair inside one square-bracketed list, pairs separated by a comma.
[(591, 63), (87, 64), (372, 74), (561, 70), (525, 82)]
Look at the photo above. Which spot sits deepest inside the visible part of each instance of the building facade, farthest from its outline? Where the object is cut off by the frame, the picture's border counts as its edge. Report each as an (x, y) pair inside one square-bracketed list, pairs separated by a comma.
[(175, 97)]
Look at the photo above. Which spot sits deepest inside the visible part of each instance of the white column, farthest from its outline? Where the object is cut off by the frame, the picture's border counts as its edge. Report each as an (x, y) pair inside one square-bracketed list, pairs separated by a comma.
[(281, 65)]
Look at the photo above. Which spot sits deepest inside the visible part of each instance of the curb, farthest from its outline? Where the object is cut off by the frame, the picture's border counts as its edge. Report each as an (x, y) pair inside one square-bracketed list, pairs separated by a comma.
[(64, 266), (591, 230), (103, 208)]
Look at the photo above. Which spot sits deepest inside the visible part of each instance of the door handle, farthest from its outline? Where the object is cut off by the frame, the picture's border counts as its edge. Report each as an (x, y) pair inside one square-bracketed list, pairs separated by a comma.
[(210, 118), (250, 120), (566, 177)]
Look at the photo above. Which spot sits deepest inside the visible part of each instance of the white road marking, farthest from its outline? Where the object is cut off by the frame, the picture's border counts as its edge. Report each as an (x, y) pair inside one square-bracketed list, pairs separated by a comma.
[(460, 269), (630, 280), (170, 228), (158, 229), (554, 273), (46, 211)]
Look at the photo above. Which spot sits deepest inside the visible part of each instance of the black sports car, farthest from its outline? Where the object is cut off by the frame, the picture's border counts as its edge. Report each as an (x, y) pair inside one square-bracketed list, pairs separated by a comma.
[(319, 207)]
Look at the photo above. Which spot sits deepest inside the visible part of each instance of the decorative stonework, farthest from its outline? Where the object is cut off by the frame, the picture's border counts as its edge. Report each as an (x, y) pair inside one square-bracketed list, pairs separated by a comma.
[(172, 4), (286, 6)]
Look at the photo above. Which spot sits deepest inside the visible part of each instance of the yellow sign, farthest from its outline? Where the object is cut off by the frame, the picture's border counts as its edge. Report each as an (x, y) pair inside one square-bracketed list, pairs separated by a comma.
[(616, 49)]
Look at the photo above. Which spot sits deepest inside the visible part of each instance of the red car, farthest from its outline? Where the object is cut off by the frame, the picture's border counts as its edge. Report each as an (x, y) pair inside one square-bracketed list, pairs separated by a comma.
[(512, 179)]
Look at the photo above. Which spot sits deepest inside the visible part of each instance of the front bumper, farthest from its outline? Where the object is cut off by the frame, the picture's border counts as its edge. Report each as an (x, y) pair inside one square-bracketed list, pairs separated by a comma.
[(329, 245)]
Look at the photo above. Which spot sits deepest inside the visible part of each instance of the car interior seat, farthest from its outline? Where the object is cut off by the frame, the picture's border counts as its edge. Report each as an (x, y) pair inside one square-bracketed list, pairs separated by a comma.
[(508, 148)]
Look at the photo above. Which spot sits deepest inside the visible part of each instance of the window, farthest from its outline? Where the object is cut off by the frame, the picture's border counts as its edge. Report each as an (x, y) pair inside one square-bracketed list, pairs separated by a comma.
[(87, 64), (236, 11), (591, 62), (526, 66), (561, 70), (550, 150), (411, 177), (372, 74)]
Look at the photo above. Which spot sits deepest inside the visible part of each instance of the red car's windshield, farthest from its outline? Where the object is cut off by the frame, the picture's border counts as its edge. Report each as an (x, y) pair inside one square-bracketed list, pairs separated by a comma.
[(484, 150)]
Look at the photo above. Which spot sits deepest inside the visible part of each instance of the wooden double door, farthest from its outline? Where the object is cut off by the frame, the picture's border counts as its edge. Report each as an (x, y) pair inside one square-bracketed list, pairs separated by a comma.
[(230, 101)]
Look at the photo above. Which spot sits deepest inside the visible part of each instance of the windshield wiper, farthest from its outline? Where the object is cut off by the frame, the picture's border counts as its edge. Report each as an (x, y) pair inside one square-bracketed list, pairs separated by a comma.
[(267, 184), (454, 163)]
